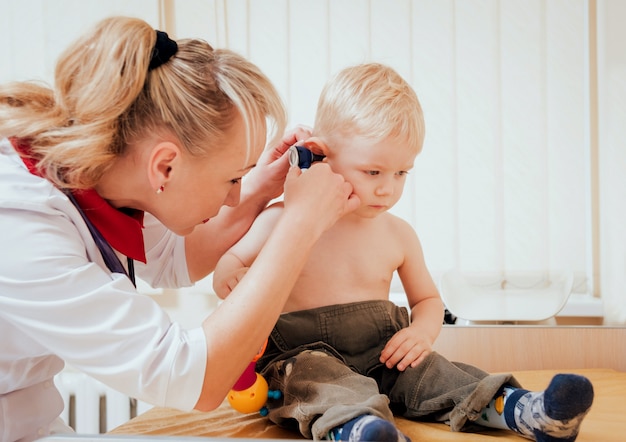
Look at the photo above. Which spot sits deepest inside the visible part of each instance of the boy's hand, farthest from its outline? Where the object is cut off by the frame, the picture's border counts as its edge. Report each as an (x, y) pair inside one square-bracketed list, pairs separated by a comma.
[(229, 282), (408, 347)]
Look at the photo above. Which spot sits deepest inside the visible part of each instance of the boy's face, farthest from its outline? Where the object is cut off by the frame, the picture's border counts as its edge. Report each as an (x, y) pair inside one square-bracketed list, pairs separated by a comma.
[(377, 170)]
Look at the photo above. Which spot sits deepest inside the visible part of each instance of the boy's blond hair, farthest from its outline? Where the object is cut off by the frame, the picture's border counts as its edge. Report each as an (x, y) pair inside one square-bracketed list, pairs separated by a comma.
[(373, 101), (106, 97)]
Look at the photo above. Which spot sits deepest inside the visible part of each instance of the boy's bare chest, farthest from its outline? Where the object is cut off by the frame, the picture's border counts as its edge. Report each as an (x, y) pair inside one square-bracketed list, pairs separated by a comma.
[(361, 253), (363, 259)]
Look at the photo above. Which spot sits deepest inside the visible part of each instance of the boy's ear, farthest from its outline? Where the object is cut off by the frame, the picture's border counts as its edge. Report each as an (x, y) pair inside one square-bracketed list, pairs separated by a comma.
[(317, 146)]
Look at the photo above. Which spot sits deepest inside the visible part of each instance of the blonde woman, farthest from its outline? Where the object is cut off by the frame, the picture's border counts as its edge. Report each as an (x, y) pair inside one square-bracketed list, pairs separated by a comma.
[(133, 164)]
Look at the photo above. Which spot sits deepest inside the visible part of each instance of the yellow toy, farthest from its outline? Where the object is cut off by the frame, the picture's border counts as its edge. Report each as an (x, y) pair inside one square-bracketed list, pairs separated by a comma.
[(251, 392)]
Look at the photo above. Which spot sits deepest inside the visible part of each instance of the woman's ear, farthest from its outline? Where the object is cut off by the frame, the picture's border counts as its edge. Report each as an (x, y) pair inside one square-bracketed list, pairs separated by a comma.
[(317, 146), (161, 163)]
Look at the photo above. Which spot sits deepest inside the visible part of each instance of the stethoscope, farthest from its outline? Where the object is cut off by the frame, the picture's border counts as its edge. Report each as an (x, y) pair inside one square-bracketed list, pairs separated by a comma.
[(111, 259)]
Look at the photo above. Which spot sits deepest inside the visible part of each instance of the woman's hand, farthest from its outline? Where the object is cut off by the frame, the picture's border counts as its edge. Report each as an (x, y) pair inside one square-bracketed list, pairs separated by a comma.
[(268, 177), (318, 197), (263, 183)]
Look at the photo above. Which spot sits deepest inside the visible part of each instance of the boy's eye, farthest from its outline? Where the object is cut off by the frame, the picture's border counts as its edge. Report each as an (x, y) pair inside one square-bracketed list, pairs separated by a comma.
[(403, 172), (372, 172), (236, 181)]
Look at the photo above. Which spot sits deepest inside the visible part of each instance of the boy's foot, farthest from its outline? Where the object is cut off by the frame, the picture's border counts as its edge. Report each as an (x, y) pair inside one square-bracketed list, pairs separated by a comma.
[(553, 415), (367, 428)]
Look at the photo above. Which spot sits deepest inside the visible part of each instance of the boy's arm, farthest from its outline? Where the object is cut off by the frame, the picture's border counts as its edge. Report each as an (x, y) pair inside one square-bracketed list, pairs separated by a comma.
[(233, 265), (265, 182), (411, 345), (228, 272)]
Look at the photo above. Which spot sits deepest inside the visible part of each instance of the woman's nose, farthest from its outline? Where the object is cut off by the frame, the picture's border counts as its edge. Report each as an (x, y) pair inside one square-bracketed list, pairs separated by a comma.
[(232, 199)]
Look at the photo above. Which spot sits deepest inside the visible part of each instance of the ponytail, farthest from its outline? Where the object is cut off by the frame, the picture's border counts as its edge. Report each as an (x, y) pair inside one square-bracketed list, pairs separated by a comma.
[(119, 82)]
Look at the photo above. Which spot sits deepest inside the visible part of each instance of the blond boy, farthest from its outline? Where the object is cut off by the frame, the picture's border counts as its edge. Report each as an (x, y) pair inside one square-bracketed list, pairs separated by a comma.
[(344, 356)]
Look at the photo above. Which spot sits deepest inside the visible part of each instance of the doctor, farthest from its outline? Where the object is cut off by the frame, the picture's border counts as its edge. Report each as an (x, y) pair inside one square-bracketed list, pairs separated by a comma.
[(133, 164)]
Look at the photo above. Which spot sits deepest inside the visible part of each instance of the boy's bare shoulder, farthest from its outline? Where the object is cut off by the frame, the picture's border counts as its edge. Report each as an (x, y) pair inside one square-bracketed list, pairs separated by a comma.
[(395, 222), (272, 211), (277, 205), (400, 231)]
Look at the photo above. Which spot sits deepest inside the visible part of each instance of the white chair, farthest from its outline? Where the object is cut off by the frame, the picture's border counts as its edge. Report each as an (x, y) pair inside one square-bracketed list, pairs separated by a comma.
[(512, 298)]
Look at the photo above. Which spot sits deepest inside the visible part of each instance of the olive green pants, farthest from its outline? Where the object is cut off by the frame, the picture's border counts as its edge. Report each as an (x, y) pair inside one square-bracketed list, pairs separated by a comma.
[(325, 361)]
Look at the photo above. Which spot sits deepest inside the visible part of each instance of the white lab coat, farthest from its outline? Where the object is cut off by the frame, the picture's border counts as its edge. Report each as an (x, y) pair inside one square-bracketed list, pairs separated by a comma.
[(59, 302)]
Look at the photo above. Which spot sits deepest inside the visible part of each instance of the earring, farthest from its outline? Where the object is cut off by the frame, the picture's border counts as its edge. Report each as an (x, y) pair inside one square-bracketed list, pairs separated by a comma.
[(160, 189)]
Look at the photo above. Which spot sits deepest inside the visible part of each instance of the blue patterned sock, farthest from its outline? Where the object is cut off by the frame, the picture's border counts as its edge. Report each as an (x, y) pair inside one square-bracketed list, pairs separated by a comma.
[(367, 428), (553, 415)]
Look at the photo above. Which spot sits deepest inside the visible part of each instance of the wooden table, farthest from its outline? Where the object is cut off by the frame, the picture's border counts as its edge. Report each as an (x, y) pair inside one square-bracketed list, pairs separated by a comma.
[(606, 422)]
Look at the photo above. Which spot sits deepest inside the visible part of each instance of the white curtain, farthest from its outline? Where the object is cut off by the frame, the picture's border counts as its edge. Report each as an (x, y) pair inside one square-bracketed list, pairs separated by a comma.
[(523, 154), (502, 184)]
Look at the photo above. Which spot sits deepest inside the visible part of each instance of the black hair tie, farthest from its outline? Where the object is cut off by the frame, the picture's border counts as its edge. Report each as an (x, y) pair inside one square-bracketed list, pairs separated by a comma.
[(163, 50)]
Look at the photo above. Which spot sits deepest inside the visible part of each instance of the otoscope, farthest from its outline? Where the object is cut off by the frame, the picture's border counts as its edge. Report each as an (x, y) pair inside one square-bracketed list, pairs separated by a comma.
[(302, 157)]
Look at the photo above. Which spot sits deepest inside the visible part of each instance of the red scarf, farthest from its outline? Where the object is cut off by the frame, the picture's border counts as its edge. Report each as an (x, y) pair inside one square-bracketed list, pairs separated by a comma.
[(122, 229)]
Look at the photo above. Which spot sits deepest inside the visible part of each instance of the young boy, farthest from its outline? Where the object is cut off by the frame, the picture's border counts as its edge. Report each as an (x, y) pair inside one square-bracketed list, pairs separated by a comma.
[(345, 358)]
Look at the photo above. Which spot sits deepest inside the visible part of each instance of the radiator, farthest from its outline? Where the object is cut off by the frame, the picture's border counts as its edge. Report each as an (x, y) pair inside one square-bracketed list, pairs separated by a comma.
[(91, 407)]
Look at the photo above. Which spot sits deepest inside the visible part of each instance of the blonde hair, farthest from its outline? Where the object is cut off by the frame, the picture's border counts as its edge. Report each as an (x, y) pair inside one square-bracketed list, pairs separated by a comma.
[(105, 97), (373, 101)]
